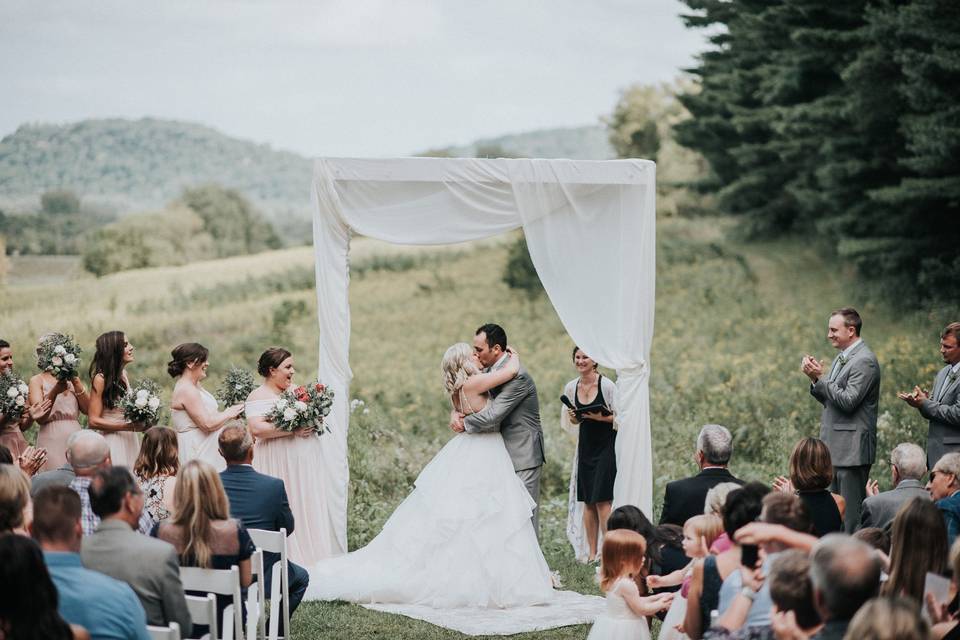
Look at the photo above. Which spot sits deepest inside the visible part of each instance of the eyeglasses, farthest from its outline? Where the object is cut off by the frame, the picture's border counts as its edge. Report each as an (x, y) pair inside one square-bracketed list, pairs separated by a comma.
[(934, 473)]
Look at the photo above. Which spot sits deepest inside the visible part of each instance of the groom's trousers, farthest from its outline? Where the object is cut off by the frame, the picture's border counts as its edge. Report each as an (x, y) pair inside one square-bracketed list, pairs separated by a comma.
[(531, 480)]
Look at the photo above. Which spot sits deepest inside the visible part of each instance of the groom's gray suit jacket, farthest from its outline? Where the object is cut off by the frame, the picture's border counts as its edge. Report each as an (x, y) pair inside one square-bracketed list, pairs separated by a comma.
[(848, 424), (942, 409), (515, 412)]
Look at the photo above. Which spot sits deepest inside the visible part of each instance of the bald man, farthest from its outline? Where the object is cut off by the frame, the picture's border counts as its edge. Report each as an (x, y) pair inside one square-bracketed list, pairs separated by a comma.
[(87, 451)]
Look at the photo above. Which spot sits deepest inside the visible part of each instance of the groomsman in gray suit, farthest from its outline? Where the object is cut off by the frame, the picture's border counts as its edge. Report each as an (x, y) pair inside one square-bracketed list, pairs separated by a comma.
[(942, 406), (514, 411), (850, 394)]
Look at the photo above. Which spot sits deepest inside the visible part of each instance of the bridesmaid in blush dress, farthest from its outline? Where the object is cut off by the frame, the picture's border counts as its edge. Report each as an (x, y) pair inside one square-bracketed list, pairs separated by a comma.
[(108, 384), (11, 431), (193, 410), (68, 400), (292, 457)]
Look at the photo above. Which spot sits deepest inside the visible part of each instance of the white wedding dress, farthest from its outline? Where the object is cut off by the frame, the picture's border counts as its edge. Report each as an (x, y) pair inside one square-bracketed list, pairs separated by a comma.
[(462, 538)]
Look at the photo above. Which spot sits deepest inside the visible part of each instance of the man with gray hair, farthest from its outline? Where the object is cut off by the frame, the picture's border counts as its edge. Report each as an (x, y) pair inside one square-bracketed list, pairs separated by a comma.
[(908, 464), (944, 488), (845, 573), (685, 498), (86, 450)]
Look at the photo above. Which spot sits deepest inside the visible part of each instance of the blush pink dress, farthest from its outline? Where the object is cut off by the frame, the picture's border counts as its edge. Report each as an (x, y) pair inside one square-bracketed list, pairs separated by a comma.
[(12, 438), (64, 419), (294, 460), (194, 443), (124, 445)]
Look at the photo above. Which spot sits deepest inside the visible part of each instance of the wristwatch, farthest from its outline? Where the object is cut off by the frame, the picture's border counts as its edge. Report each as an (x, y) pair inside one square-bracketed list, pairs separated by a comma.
[(748, 593)]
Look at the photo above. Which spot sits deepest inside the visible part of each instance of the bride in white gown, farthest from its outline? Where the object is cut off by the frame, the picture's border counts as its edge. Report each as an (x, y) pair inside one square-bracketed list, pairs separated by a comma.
[(463, 537)]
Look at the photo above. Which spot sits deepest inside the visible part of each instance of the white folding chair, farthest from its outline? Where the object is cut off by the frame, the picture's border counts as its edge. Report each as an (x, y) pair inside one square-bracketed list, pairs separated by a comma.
[(276, 542), (165, 633), (255, 598), (224, 582), (203, 610)]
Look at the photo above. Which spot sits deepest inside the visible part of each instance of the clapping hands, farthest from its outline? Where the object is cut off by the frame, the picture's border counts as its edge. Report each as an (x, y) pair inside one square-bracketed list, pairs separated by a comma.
[(783, 484), (811, 367), (915, 398), (32, 460)]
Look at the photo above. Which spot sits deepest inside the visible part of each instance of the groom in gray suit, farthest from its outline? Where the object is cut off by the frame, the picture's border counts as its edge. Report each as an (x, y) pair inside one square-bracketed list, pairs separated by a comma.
[(514, 411), (942, 406), (850, 394)]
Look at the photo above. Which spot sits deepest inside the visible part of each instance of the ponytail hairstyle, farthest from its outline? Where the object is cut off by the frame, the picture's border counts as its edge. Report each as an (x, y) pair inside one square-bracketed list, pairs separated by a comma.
[(186, 354), (622, 555), (108, 362), (457, 365), (272, 358), (198, 500)]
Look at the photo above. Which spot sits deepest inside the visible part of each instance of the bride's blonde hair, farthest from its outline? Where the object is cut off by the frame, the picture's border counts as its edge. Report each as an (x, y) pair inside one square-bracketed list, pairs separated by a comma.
[(457, 365)]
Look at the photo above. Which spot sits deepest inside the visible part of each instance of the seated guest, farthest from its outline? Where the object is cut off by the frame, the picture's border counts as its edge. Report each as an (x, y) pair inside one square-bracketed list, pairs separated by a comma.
[(875, 537), (889, 619), (714, 506), (685, 498), (156, 470), (201, 529), (752, 606), (148, 565), (845, 573), (908, 463), (664, 542), (945, 622), (259, 501), (14, 499), (790, 591), (918, 544), (82, 447), (944, 487), (29, 606), (811, 473), (105, 607), (742, 507)]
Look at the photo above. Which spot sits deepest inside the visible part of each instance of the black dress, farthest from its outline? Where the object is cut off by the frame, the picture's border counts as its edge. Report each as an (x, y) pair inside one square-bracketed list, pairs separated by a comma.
[(823, 511), (596, 457)]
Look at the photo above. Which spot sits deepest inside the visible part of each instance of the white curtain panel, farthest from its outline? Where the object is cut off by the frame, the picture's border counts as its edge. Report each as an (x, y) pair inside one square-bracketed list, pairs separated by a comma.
[(590, 227)]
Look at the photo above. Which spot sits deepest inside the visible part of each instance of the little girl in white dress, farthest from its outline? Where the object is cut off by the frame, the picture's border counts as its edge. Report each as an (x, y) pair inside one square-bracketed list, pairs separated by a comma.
[(625, 615)]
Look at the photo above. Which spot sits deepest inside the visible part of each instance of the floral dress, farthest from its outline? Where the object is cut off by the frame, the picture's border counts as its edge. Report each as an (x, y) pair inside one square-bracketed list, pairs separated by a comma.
[(153, 503)]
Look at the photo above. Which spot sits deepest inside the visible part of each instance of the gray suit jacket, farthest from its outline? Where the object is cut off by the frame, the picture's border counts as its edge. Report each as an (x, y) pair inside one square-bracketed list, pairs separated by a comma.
[(944, 417), (879, 510), (148, 565), (61, 477), (515, 412), (848, 423)]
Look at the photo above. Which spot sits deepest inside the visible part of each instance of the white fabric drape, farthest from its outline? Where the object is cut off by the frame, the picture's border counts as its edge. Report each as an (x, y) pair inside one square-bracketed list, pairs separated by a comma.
[(590, 228)]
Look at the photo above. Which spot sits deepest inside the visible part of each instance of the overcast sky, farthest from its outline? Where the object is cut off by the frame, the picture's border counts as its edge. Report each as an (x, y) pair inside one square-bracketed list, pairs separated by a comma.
[(336, 77)]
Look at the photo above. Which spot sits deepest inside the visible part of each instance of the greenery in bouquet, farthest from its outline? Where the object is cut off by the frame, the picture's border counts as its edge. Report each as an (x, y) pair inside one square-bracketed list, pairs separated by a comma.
[(302, 407), (59, 354), (236, 386), (14, 394), (142, 404)]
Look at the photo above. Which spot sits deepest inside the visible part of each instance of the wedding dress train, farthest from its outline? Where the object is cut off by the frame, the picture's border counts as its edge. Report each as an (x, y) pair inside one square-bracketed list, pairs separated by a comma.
[(462, 538)]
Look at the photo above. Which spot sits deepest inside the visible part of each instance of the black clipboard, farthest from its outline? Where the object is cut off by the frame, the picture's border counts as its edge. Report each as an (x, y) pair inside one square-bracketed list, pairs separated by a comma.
[(590, 408)]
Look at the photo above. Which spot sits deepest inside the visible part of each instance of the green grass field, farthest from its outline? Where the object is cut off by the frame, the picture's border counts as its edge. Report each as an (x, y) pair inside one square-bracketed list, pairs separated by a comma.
[(732, 323)]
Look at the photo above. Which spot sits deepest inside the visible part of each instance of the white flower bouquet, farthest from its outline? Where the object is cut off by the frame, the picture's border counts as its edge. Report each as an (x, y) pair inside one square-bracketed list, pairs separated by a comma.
[(60, 355), (142, 403), (236, 386), (14, 395), (302, 407)]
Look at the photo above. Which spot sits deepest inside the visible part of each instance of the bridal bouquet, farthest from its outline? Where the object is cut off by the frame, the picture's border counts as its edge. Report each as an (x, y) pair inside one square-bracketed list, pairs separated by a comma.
[(236, 386), (13, 395), (60, 355), (142, 403), (302, 407)]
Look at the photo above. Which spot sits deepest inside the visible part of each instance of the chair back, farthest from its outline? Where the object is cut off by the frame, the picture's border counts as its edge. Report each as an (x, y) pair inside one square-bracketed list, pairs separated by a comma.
[(256, 598), (203, 610), (164, 633), (224, 582), (275, 542)]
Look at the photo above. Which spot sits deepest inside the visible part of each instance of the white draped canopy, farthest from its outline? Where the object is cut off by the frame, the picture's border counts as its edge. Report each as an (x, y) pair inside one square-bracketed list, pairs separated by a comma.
[(590, 226)]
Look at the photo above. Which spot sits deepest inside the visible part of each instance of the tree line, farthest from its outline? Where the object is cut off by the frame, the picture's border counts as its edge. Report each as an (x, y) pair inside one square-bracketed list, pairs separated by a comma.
[(839, 121)]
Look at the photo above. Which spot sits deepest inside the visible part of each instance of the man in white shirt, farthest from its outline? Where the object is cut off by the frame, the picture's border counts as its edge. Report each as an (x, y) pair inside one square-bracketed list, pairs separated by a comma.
[(942, 405)]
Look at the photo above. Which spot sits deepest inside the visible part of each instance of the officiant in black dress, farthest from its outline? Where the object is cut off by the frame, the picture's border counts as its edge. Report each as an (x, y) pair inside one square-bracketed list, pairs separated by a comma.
[(592, 398)]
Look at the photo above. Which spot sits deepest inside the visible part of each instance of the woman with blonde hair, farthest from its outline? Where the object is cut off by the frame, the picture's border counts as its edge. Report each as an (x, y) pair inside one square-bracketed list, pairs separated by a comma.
[(156, 471), (14, 499), (888, 618), (201, 529), (68, 399), (463, 537)]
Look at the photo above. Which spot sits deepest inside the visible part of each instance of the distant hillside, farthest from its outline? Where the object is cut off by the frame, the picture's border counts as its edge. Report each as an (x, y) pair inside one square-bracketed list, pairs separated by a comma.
[(143, 164), (136, 165), (580, 143)]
